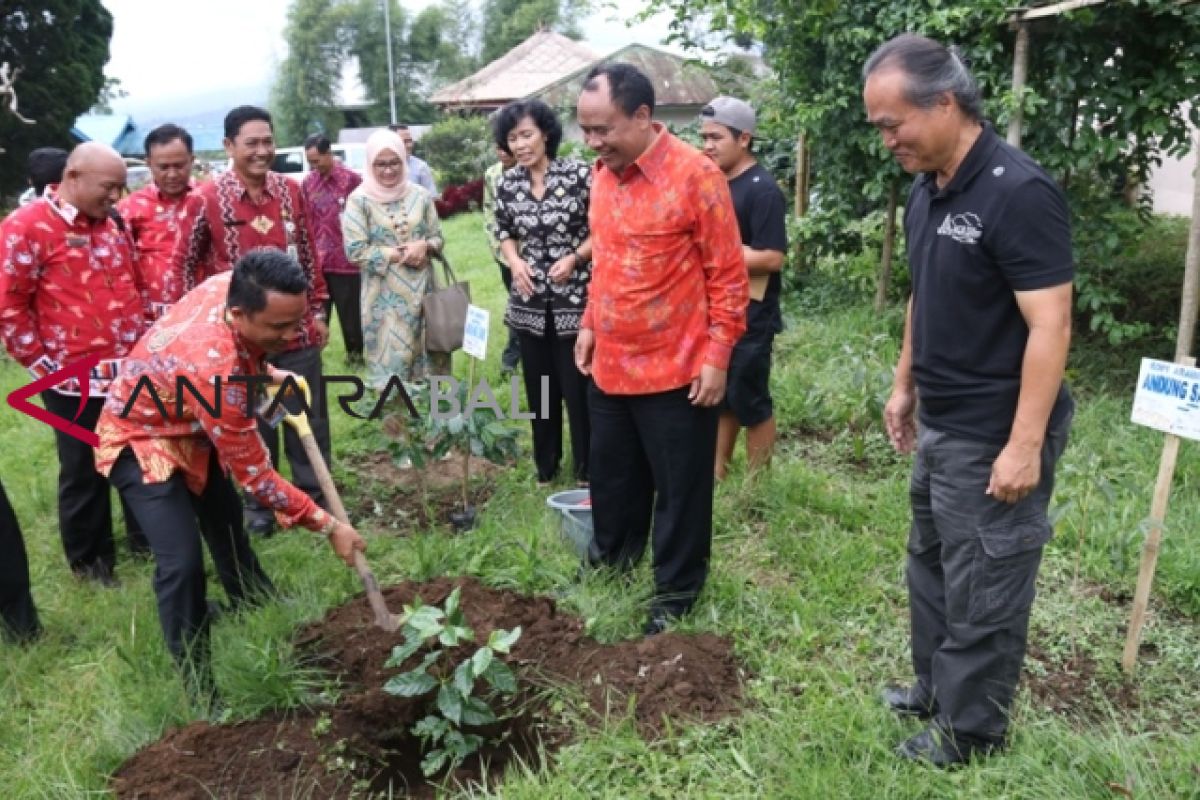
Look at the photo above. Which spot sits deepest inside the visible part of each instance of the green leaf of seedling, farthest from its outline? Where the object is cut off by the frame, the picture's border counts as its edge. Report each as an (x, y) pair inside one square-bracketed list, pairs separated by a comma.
[(453, 635), (476, 712), (454, 425), (501, 677), (480, 661), (450, 703), (431, 729), (452, 603), (464, 678), (502, 641), (410, 684), (434, 760), (427, 621), (401, 652), (430, 658)]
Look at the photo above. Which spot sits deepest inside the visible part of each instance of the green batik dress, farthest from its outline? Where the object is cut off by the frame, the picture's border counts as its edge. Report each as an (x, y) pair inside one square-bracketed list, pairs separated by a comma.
[(393, 328)]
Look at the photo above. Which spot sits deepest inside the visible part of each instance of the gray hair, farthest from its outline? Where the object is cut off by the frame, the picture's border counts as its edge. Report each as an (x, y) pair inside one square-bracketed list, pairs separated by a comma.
[(932, 70)]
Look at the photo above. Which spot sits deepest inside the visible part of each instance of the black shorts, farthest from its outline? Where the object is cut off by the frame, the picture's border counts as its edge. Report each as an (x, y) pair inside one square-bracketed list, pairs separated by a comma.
[(748, 390)]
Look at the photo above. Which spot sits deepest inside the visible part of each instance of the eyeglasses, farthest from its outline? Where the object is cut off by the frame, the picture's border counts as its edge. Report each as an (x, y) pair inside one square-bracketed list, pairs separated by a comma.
[(388, 166)]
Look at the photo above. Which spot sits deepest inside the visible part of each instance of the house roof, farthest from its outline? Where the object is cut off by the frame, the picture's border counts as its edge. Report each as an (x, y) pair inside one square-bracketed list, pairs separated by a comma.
[(541, 59), (117, 130), (677, 81)]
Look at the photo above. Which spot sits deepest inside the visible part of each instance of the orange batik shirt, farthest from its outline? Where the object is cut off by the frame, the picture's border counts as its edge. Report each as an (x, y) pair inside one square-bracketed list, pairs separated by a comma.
[(669, 289), (194, 340)]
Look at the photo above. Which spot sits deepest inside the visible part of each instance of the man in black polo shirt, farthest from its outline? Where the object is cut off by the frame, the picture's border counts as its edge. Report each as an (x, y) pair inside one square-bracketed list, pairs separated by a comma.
[(727, 130), (985, 346)]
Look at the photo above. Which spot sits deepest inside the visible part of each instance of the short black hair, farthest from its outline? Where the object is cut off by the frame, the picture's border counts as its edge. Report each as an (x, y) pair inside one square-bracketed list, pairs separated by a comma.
[(165, 134), (46, 166), (628, 86), (235, 119), (260, 271), (319, 141), (543, 117), (396, 127)]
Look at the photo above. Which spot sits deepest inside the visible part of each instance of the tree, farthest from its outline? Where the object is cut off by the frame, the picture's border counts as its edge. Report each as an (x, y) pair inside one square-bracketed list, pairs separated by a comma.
[(61, 47), (304, 94), (438, 38), (1105, 94), (110, 91), (507, 23)]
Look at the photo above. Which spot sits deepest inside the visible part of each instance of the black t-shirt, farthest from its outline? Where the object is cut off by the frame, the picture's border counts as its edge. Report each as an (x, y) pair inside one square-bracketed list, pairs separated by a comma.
[(761, 215), (1000, 226)]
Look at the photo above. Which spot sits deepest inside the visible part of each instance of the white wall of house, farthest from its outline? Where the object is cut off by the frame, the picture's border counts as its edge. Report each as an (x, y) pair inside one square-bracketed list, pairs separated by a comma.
[(1174, 183)]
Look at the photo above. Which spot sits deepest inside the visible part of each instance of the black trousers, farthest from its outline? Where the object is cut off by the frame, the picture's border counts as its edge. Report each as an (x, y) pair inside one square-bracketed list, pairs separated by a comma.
[(306, 362), (18, 615), (553, 355), (345, 295), (175, 522), (84, 501), (972, 573), (652, 460)]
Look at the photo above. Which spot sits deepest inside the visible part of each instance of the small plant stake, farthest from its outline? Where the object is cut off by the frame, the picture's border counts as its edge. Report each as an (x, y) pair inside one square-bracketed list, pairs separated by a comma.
[(475, 336), (1172, 417)]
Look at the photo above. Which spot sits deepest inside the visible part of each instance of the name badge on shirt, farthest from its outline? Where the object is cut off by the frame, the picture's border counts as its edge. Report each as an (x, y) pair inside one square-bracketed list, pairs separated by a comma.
[(76, 240), (293, 252)]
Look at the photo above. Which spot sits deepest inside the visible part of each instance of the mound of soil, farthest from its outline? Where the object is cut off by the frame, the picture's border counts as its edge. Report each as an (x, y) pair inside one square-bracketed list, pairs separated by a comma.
[(1073, 688), (393, 498), (362, 744)]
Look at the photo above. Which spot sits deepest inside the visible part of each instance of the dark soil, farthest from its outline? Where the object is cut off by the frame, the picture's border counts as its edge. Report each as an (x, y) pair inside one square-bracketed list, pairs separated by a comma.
[(362, 744), (392, 498), (1072, 687)]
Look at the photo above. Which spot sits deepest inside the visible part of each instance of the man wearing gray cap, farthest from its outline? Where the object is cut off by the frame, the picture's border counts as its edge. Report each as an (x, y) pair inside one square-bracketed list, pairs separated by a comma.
[(727, 130)]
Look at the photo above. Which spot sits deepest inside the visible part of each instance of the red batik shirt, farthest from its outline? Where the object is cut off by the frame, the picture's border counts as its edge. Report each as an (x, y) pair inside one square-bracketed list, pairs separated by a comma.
[(194, 340), (223, 224), (326, 197), (669, 289), (154, 221), (68, 290)]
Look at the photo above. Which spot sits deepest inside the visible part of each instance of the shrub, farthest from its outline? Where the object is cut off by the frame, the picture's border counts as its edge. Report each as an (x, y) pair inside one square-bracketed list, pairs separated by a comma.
[(459, 149)]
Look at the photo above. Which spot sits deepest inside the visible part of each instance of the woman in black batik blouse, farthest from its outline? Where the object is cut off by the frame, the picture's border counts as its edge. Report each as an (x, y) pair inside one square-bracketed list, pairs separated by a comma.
[(542, 226)]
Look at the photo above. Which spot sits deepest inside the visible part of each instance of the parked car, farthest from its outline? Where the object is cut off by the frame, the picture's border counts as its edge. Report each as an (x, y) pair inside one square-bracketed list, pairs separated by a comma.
[(290, 161)]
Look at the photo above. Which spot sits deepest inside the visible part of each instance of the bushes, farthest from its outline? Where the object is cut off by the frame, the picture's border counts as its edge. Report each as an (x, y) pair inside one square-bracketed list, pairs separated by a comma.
[(467, 197), (459, 148)]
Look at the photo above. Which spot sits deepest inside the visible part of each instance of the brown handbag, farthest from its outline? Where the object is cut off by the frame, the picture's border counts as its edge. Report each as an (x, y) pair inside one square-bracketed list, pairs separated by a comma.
[(445, 309)]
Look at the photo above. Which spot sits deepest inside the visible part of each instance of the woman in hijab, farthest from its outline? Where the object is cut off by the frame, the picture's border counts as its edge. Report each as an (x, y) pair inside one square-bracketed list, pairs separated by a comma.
[(390, 227)]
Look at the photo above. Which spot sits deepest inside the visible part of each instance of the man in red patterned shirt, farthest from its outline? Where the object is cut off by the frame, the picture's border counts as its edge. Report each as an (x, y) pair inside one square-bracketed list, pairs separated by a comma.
[(246, 208), (155, 213), (172, 462), (68, 292), (325, 189), (666, 305)]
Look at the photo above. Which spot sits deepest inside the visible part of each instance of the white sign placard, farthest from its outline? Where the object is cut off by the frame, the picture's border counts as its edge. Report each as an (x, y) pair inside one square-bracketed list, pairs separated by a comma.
[(1168, 398), (475, 332)]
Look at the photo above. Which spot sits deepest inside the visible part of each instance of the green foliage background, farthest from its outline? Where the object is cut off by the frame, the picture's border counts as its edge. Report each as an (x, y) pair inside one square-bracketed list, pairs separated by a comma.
[(60, 47)]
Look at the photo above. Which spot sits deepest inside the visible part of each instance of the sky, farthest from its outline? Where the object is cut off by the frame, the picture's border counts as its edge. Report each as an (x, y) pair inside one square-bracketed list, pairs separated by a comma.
[(172, 55)]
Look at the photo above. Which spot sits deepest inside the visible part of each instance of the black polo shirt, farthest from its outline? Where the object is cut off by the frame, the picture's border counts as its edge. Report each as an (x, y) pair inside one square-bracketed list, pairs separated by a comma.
[(762, 220), (1000, 226)]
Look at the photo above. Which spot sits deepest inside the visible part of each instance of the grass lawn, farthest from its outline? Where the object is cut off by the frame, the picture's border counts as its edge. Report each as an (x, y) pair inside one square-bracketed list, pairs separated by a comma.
[(807, 581)]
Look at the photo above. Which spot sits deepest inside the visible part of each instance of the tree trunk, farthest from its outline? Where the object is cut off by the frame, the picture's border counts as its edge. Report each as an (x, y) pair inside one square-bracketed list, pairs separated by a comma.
[(889, 247)]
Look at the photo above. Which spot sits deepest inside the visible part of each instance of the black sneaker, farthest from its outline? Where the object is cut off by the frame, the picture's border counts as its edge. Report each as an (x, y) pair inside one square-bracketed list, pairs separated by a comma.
[(261, 527), (909, 701), (944, 749)]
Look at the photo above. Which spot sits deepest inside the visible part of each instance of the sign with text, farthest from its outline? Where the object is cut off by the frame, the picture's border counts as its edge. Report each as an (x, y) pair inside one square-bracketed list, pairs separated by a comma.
[(1168, 398), (475, 332)]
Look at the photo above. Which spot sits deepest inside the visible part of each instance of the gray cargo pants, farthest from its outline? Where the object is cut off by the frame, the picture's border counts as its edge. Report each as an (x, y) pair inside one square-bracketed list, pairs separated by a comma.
[(972, 569)]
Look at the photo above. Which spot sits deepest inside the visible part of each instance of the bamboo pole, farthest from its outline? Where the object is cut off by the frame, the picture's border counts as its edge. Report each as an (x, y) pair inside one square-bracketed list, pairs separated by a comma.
[(1166, 464)]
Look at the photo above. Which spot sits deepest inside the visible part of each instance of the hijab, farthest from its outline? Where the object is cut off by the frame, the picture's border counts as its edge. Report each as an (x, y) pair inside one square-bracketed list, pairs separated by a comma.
[(382, 141)]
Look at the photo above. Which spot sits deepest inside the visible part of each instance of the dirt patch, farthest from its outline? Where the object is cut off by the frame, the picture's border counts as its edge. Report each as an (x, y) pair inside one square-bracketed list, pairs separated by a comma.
[(393, 498), (362, 745), (1071, 687)]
